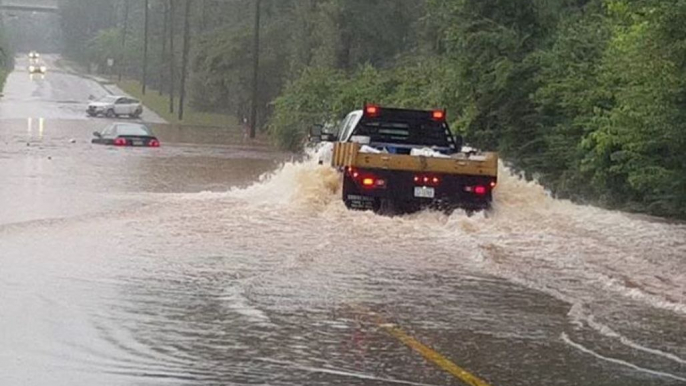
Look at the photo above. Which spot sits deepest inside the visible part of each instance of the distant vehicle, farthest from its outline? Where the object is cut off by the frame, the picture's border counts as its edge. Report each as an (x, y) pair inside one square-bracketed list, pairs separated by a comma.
[(126, 134), (115, 106), (37, 69), (401, 161), (34, 55)]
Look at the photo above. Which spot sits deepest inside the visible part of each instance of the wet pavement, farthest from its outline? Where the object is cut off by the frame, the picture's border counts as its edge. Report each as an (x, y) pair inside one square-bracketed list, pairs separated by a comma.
[(211, 261)]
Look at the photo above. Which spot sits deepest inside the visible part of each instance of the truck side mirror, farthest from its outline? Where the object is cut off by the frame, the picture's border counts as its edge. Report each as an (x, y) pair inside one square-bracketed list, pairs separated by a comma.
[(317, 134), (316, 131), (97, 134)]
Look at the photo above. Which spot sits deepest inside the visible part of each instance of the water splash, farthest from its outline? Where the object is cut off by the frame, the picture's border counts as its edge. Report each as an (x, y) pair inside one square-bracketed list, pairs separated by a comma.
[(570, 251)]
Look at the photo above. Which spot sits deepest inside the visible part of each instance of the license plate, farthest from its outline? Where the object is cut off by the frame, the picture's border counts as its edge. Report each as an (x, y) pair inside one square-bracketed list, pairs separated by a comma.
[(137, 143), (424, 192)]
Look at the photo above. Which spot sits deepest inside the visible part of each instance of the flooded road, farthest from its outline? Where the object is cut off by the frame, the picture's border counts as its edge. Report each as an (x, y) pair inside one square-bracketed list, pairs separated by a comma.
[(213, 262)]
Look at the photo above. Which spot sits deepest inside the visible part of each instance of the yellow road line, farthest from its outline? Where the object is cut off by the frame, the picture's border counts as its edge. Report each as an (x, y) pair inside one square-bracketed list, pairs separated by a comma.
[(434, 357), (428, 353)]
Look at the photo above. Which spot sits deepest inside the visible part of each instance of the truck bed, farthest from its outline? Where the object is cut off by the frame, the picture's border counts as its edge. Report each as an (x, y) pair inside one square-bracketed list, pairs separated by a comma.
[(348, 154)]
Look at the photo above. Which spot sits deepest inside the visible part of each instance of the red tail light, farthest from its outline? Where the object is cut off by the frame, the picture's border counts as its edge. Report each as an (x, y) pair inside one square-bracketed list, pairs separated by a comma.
[(427, 180), (366, 179), (154, 143), (371, 110), (480, 190), (120, 142), (438, 115)]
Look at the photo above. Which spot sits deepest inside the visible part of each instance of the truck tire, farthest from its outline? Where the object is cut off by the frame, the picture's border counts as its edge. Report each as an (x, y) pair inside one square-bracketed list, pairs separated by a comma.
[(110, 113), (348, 186)]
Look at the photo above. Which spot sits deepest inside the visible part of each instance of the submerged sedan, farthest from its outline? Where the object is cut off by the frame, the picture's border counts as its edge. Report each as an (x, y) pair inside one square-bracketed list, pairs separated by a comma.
[(126, 134)]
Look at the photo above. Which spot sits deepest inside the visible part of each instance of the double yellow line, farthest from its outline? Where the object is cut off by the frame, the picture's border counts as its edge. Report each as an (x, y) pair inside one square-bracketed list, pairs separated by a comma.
[(427, 352)]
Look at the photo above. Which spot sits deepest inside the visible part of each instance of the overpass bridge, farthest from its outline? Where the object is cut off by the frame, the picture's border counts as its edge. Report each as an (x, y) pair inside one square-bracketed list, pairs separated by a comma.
[(10, 6)]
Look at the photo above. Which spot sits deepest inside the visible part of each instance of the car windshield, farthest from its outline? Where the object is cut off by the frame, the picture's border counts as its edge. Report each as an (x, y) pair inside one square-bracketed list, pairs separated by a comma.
[(132, 130), (108, 99)]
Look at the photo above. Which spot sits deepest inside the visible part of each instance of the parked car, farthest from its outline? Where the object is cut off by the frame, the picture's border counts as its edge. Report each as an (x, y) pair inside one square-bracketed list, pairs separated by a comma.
[(126, 134), (113, 106)]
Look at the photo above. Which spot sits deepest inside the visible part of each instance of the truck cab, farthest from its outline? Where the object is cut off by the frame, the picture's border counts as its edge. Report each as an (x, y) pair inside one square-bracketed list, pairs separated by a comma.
[(398, 131), (399, 161)]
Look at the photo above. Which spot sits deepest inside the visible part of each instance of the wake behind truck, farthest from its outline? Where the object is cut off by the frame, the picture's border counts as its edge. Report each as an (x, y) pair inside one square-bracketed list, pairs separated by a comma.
[(401, 161)]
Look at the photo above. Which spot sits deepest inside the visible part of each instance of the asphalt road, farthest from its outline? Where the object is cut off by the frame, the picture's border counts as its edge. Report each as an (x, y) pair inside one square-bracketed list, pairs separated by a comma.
[(188, 265), (61, 94)]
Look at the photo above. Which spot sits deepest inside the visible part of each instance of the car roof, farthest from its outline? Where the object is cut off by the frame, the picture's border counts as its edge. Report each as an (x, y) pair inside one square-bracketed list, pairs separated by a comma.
[(117, 124)]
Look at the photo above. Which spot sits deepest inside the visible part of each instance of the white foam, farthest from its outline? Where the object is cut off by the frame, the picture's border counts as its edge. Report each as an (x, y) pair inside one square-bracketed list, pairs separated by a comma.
[(579, 317), (576, 253), (565, 338)]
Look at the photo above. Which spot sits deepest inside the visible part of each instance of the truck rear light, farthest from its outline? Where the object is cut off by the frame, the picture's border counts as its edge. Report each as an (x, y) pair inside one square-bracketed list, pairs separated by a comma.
[(479, 190), (371, 182), (493, 184), (427, 180), (371, 111), (366, 179), (120, 142), (438, 115)]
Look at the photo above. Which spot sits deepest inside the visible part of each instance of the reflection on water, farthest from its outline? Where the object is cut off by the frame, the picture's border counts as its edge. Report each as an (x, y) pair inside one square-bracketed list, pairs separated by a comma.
[(58, 172), (41, 128)]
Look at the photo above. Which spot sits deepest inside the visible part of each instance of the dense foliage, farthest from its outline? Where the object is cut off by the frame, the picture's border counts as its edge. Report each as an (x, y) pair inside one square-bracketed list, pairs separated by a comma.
[(585, 95), (6, 59)]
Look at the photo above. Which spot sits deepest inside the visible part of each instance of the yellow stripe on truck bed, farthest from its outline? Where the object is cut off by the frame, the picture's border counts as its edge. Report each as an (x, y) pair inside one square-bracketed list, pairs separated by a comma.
[(347, 154)]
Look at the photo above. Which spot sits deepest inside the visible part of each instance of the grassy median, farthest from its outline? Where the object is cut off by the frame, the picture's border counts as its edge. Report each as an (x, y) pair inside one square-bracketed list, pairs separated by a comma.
[(160, 105)]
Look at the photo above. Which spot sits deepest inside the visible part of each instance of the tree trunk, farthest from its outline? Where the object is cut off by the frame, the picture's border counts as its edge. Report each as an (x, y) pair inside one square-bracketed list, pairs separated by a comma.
[(146, 28), (204, 15), (172, 77), (256, 72), (163, 57), (184, 60), (123, 39)]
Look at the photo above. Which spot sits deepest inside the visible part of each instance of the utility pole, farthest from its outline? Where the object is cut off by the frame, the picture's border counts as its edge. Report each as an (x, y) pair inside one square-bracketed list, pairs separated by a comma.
[(164, 45), (204, 15), (123, 38), (172, 77), (184, 60), (256, 71), (145, 46)]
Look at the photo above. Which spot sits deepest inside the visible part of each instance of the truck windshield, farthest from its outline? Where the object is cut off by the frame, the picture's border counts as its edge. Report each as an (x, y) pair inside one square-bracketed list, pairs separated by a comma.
[(409, 133)]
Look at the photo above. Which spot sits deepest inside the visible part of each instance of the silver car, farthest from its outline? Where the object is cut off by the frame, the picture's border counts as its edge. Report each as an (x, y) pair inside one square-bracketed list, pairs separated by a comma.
[(113, 106)]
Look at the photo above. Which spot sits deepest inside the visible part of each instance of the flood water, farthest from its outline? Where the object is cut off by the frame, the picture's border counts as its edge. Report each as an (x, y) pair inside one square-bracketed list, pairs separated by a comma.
[(212, 261)]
